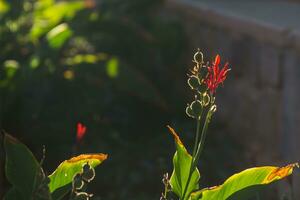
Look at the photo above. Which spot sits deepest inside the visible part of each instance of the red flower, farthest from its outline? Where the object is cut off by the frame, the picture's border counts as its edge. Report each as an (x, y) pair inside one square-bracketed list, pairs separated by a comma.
[(81, 130), (216, 76)]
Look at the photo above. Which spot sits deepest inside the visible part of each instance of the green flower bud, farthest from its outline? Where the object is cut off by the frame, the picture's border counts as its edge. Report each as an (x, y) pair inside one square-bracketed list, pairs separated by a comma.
[(195, 109), (77, 182), (88, 174), (194, 82), (198, 57), (213, 109)]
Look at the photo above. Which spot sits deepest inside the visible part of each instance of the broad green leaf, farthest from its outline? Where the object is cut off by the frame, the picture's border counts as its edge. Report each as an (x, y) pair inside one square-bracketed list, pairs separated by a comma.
[(58, 35), (240, 183), (22, 171), (182, 162), (65, 172)]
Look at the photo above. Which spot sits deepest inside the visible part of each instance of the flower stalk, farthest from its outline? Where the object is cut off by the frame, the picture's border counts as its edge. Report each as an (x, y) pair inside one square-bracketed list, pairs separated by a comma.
[(204, 100)]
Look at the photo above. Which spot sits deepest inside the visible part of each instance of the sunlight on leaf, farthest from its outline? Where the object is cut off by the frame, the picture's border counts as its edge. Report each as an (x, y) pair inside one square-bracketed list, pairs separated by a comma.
[(49, 15), (65, 172), (85, 58), (182, 162), (58, 35), (34, 62), (112, 68), (11, 67), (242, 183)]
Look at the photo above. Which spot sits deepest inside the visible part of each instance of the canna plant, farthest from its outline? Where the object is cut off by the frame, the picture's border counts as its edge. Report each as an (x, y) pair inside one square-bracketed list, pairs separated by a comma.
[(204, 80)]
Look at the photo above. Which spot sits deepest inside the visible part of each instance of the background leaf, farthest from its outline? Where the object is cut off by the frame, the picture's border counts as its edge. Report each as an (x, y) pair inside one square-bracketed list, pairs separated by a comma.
[(22, 170), (59, 35), (241, 182), (65, 172), (47, 17)]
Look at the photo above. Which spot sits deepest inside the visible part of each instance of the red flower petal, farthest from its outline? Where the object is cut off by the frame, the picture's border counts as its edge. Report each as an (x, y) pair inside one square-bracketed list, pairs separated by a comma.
[(81, 130), (216, 76)]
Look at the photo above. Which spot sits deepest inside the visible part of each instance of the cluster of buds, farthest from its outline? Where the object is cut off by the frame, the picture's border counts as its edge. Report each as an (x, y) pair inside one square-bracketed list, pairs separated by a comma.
[(167, 186), (80, 181), (204, 80)]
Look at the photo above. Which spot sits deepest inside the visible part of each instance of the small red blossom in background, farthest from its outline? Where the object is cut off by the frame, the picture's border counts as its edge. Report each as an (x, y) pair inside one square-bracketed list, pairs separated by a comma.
[(216, 76), (81, 130)]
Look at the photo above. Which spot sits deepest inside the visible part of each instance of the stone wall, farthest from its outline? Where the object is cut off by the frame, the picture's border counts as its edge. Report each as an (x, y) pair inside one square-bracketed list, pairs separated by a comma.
[(260, 103)]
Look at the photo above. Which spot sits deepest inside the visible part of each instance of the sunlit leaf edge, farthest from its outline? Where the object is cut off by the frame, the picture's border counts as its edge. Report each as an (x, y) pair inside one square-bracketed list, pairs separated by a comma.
[(270, 175), (65, 172), (176, 183)]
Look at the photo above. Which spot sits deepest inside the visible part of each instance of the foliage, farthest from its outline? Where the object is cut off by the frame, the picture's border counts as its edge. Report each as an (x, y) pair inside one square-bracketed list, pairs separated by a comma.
[(29, 180), (105, 63)]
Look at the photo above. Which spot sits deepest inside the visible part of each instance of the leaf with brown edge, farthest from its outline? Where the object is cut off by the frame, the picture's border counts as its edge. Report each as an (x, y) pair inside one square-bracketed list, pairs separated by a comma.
[(244, 184), (182, 161), (176, 137), (65, 172)]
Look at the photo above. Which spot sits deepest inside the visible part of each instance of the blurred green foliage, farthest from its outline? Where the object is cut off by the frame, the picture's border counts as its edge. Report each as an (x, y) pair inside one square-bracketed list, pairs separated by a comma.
[(116, 66)]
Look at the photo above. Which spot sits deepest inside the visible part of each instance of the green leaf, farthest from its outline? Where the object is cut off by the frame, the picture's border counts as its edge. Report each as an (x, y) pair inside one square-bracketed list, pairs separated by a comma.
[(65, 172), (22, 171), (47, 16), (59, 35), (112, 68), (182, 161), (239, 185)]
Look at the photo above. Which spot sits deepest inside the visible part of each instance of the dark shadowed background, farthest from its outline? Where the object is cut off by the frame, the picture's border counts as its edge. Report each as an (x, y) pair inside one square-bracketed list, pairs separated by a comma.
[(119, 67)]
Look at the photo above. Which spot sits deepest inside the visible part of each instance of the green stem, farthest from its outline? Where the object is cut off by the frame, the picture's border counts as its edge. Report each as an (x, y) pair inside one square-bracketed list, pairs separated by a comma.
[(197, 151), (194, 153), (203, 136), (197, 135)]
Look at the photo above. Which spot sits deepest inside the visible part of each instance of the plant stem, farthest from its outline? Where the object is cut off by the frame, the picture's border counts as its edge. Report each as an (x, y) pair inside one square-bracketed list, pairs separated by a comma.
[(203, 136), (198, 150), (194, 153), (197, 136)]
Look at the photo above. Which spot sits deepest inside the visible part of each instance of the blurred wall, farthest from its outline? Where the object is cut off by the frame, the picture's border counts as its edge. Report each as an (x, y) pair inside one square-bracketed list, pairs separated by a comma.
[(259, 103)]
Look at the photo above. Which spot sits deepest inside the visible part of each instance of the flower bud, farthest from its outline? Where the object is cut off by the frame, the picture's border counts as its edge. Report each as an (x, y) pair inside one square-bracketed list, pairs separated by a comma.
[(213, 109), (77, 182), (194, 82), (88, 173), (198, 57), (195, 109), (205, 99)]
